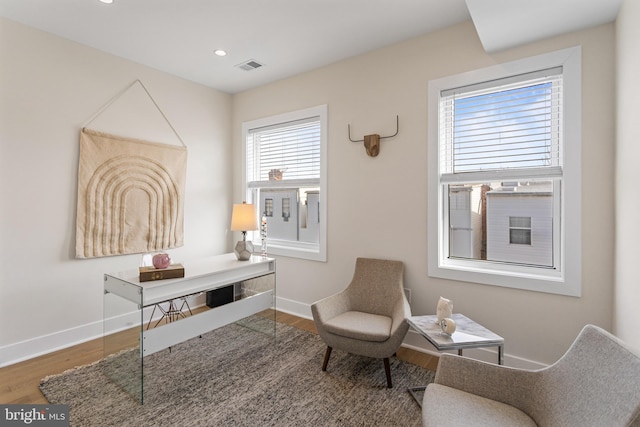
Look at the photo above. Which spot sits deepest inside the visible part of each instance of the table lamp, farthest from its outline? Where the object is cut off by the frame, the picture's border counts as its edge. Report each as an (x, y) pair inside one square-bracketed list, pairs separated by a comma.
[(243, 218)]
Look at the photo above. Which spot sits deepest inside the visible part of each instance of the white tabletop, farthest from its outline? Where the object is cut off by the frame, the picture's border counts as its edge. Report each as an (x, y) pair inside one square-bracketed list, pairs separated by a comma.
[(199, 275), (468, 334)]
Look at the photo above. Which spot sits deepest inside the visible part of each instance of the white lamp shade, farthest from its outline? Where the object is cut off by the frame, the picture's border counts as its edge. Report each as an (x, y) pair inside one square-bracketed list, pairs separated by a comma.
[(243, 217)]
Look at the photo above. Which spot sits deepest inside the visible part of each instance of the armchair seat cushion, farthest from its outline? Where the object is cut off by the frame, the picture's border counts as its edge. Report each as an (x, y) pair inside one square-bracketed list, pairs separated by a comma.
[(448, 406), (360, 326)]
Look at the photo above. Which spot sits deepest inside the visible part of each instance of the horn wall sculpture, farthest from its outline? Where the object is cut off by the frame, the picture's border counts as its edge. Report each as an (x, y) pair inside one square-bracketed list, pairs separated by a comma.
[(372, 142)]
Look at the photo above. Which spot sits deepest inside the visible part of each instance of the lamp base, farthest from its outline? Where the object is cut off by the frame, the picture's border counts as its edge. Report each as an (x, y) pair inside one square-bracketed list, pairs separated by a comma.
[(243, 250)]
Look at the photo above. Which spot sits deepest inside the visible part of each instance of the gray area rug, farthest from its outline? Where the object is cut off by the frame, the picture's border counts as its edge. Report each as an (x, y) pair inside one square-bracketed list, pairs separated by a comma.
[(236, 376)]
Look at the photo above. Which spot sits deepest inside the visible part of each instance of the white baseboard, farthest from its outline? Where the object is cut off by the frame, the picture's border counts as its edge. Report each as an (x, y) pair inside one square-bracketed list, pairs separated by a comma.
[(294, 307), (45, 344), (39, 346), (417, 342), (28, 349)]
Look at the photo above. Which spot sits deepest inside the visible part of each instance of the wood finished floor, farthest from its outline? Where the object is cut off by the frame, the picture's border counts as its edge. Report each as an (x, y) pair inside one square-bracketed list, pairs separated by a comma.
[(19, 383)]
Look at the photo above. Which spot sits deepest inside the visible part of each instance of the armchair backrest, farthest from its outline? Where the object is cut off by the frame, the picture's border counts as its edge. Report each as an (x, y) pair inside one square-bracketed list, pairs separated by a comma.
[(377, 286), (596, 382)]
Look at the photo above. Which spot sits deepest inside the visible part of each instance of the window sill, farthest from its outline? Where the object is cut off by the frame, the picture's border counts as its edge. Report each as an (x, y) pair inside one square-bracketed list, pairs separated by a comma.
[(525, 278), (301, 251)]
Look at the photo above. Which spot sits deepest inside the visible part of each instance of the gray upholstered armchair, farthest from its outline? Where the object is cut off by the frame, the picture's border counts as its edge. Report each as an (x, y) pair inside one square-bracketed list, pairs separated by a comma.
[(368, 318), (596, 383)]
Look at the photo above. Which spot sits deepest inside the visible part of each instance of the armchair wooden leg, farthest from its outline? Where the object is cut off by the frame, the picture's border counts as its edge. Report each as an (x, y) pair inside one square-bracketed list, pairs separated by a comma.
[(387, 369), (326, 358)]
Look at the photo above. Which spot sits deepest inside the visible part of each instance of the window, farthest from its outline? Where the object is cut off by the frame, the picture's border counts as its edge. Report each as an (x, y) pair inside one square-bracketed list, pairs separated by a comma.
[(268, 207), (286, 179), (504, 175), (520, 230)]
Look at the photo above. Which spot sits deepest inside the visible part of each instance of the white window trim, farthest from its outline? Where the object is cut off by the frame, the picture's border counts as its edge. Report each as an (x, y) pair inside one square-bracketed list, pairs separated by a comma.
[(567, 279), (294, 249)]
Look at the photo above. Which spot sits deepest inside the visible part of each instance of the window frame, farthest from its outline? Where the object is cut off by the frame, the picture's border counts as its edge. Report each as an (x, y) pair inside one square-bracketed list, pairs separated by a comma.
[(297, 249), (565, 280)]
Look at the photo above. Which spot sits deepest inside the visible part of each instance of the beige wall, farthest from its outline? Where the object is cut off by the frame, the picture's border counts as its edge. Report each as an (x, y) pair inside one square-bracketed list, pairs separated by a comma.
[(49, 88), (627, 291), (377, 207)]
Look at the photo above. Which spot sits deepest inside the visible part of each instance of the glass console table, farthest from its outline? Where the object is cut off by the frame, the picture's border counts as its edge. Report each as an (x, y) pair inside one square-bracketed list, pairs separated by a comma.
[(128, 304)]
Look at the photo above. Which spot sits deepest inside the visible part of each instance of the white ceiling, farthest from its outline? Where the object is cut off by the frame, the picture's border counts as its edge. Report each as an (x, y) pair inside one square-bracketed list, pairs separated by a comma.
[(502, 24), (287, 36)]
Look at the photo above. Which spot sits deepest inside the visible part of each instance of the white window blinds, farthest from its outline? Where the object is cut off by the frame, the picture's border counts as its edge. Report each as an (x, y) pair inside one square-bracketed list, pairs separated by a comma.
[(509, 128), (291, 148)]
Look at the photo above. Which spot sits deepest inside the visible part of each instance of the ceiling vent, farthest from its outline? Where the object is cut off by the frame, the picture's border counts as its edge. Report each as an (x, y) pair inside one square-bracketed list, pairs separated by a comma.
[(249, 65)]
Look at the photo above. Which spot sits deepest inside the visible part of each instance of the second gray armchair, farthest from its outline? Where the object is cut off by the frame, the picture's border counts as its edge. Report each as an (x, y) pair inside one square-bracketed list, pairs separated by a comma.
[(367, 318), (596, 383)]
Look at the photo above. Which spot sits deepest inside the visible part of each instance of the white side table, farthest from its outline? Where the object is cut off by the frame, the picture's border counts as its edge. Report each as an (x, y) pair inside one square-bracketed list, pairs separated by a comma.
[(468, 334)]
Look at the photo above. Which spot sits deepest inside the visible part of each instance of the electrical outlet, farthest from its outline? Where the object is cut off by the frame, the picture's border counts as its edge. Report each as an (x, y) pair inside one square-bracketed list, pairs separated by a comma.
[(407, 292)]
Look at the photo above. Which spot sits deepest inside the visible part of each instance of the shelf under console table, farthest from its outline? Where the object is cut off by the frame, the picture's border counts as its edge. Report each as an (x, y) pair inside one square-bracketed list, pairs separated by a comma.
[(129, 302)]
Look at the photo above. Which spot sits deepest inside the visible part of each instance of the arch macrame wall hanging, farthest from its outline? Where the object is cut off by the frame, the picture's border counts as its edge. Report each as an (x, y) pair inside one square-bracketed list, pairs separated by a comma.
[(130, 192)]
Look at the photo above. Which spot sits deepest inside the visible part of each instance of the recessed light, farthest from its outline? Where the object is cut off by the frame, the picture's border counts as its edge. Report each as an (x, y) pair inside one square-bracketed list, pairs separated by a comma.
[(106, 1), (220, 52)]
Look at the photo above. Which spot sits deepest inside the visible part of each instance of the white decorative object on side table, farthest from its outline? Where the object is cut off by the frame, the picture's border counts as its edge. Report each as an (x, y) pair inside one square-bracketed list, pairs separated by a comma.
[(444, 309)]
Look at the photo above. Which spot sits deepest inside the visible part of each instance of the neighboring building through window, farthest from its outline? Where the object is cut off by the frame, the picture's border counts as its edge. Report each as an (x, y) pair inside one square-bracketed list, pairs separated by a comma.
[(286, 178), (503, 156)]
